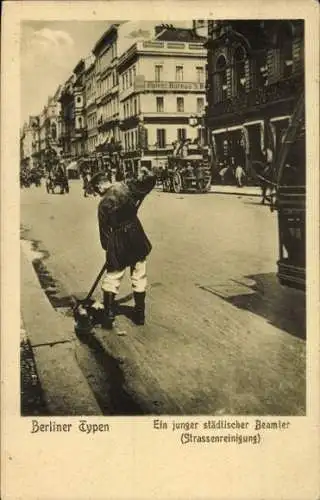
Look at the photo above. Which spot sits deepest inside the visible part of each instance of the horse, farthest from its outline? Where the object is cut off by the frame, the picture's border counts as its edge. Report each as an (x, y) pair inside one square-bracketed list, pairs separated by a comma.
[(57, 177)]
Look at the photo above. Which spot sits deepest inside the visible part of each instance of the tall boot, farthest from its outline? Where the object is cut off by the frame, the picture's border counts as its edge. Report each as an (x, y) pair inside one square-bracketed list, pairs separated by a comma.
[(139, 308), (109, 308)]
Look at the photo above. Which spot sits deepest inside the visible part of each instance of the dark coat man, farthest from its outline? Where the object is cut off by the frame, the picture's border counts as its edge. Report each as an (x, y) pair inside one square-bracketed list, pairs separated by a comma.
[(123, 238)]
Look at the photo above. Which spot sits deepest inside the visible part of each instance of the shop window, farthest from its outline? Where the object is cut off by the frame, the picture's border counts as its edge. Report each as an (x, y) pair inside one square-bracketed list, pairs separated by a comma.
[(161, 138)]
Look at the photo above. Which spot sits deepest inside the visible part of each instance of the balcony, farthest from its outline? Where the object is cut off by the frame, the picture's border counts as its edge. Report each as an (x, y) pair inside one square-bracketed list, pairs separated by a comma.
[(104, 123), (80, 132), (283, 90), (162, 47)]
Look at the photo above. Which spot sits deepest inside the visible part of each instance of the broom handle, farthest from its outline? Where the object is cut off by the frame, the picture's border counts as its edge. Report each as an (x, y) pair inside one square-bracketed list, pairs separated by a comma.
[(92, 289)]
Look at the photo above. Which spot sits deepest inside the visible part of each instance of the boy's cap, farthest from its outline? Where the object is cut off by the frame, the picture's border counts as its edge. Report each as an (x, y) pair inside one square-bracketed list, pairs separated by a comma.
[(98, 179)]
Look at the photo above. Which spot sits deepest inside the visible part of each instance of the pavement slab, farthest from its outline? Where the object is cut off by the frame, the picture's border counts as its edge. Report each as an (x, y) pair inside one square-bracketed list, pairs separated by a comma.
[(65, 389)]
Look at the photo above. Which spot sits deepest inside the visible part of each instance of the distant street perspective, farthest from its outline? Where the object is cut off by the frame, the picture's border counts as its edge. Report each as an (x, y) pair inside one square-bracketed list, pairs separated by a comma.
[(163, 195)]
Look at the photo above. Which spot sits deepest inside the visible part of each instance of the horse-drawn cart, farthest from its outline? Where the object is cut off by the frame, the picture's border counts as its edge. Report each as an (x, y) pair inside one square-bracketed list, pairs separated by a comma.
[(191, 173), (57, 177)]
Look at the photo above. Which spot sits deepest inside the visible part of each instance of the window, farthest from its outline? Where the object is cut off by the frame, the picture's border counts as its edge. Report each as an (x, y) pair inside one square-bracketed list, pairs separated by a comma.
[(161, 138), (179, 73), (54, 131), (240, 70), (220, 80), (180, 104), (286, 52), (135, 106), (182, 134), (159, 104), (200, 74), (158, 73), (130, 77), (200, 105), (78, 99)]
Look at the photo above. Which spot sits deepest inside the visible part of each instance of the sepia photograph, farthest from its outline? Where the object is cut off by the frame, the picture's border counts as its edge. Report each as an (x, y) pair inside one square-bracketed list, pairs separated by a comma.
[(163, 218), (160, 250)]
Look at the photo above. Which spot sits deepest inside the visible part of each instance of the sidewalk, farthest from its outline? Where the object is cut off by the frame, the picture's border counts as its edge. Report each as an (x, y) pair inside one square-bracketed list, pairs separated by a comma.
[(240, 191), (66, 391), (234, 190)]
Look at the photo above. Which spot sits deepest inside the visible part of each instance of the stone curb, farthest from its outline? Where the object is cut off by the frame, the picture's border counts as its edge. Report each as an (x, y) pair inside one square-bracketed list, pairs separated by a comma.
[(232, 190), (66, 390)]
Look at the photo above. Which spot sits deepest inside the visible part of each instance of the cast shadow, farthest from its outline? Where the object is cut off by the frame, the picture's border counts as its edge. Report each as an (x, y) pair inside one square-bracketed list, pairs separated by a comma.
[(281, 306)]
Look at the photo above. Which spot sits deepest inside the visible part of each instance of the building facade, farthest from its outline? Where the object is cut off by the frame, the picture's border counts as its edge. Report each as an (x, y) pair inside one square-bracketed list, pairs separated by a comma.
[(67, 117), (255, 76), (161, 88), (78, 130), (90, 106), (107, 96), (29, 142)]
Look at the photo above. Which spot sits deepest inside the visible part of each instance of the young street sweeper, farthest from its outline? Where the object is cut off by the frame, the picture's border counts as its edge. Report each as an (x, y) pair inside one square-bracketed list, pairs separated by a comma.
[(123, 238)]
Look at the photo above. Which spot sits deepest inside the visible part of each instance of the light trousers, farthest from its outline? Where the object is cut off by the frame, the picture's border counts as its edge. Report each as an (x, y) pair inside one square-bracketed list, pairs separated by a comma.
[(112, 280)]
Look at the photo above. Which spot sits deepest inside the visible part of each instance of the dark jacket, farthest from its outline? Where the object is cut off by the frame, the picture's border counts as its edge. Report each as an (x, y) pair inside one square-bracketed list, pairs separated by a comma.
[(121, 232)]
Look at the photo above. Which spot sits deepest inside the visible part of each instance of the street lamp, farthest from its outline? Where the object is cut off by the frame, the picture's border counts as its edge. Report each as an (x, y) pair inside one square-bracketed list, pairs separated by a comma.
[(193, 120)]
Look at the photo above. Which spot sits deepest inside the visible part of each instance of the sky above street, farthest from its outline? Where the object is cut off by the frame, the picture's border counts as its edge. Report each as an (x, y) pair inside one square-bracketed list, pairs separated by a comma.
[(50, 51)]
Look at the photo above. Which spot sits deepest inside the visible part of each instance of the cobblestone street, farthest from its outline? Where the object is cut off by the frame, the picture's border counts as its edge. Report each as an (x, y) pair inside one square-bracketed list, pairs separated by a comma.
[(222, 336)]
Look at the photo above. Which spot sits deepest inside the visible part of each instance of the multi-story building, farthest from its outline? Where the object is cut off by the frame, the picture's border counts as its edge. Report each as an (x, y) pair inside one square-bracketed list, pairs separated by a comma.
[(42, 133), (29, 142), (53, 122), (255, 76), (90, 105), (107, 98), (161, 91), (67, 117), (78, 122)]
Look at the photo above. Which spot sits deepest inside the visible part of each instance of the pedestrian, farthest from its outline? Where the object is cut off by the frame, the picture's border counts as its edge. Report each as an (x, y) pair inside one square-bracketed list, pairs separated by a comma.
[(123, 238), (239, 175)]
